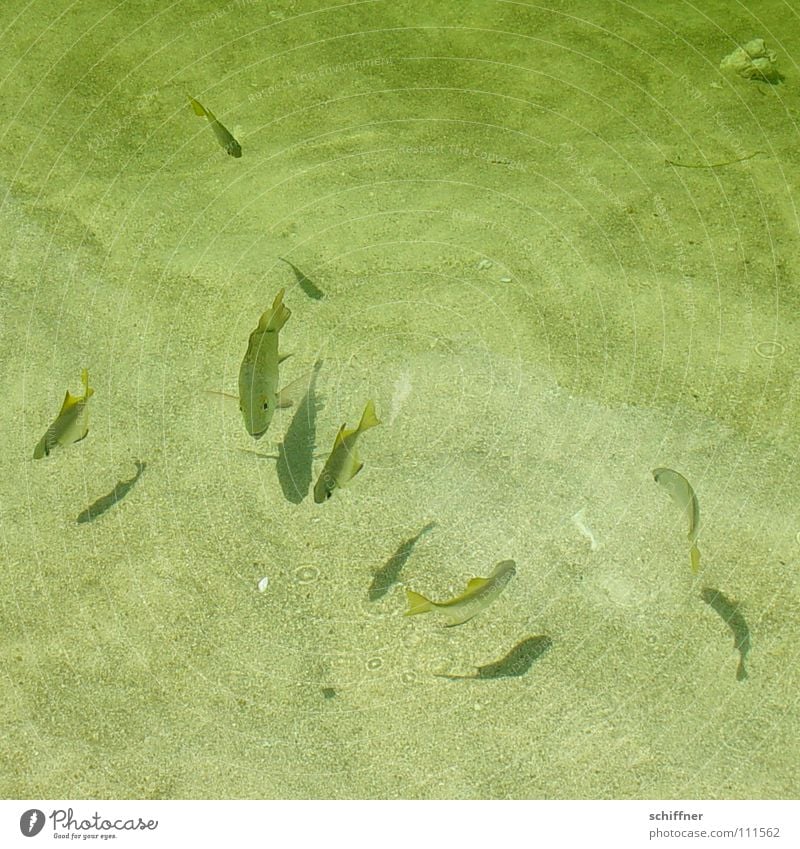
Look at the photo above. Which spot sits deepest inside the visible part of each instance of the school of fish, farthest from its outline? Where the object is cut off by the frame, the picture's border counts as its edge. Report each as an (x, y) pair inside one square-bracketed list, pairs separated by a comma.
[(260, 396)]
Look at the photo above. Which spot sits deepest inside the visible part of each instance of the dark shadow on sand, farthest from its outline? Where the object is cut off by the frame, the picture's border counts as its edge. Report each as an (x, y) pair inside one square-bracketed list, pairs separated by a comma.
[(516, 663), (296, 452), (385, 578), (728, 610), (106, 502), (307, 285)]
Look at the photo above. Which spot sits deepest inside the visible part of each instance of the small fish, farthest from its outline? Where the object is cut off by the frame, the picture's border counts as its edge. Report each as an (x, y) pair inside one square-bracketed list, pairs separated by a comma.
[(516, 663), (681, 492), (258, 374), (729, 611), (228, 142), (479, 594), (343, 463), (71, 424)]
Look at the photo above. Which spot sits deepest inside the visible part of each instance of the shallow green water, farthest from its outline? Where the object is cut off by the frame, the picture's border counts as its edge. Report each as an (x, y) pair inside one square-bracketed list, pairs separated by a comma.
[(542, 310)]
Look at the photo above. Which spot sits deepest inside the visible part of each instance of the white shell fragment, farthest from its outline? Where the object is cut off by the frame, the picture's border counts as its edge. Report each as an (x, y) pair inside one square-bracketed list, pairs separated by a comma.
[(580, 524), (753, 62), (263, 584)]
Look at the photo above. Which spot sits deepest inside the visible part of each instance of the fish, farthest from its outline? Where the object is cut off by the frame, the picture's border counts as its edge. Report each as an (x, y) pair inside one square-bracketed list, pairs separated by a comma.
[(681, 492), (106, 502), (478, 595), (224, 137), (71, 424), (516, 663), (258, 373), (343, 463), (729, 611)]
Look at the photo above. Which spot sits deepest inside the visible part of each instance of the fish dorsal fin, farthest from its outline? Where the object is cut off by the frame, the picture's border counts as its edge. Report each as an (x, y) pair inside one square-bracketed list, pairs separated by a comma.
[(476, 583)]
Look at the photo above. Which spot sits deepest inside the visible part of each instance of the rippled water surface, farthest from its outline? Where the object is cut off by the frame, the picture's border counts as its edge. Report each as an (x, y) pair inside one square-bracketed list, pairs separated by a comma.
[(557, 247)]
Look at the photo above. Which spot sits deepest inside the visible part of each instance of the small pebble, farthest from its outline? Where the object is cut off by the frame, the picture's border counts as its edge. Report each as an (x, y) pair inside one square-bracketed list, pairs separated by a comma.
[(484, 263), (505, 279), (263, 584)]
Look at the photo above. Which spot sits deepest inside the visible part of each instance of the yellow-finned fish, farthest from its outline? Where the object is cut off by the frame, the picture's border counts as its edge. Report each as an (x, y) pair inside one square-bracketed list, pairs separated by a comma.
[(343, 463), (71, 424), (224, 137), (258, 374), (478, 595), (681, 492)]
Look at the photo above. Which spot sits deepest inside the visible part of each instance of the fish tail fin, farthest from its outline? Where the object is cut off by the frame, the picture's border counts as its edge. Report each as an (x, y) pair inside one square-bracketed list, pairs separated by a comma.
[(71, 400), (695, 555), (274, 318), (198, 108), (88, 391), (368, 419), (417, 603)]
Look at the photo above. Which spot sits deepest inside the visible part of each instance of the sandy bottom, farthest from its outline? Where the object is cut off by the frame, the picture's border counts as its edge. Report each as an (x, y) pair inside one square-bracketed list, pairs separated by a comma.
[(542, 311)]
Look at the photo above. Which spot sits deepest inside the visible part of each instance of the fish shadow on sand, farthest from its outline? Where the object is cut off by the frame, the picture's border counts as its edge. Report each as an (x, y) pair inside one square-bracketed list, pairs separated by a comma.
[(106, 502), (385, 578), (296, 452), (728, 610), (513, 665), (306, 284)]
